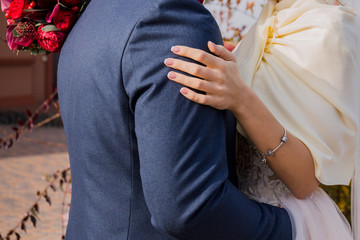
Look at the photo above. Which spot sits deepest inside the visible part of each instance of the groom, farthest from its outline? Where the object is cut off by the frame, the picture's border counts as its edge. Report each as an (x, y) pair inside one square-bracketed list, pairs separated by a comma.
[(146, 163)]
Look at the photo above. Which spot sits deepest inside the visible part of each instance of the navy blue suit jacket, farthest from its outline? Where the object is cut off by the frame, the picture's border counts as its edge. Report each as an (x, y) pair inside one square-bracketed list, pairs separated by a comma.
[(147, 163)]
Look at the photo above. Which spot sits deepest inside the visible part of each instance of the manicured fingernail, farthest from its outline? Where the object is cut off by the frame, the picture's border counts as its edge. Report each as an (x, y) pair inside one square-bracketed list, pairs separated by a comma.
[(184, 91), (175, 49), (168, 62), (171, 75), (213, 44)]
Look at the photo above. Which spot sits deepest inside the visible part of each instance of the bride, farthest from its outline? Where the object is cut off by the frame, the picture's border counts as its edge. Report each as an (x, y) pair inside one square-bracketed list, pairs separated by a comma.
[(293, 84)]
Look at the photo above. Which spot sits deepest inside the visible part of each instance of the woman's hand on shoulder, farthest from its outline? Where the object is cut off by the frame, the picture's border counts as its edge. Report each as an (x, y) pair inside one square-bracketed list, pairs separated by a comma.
[(217, 76)]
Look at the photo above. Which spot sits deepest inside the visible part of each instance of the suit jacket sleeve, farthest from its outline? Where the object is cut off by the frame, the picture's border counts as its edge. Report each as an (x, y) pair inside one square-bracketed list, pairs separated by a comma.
[(182, 145)]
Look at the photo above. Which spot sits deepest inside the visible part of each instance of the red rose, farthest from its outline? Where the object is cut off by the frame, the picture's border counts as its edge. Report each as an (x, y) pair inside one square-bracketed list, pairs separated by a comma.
[(64, 19), (50, 41), (16, 8), (70, 3)]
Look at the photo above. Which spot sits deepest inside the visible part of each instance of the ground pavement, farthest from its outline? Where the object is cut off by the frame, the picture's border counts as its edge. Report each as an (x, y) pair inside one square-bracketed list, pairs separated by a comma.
[(22, 168)]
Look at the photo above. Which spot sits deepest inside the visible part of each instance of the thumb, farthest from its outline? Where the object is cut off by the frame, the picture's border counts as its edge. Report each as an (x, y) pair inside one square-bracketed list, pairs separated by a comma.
[(221, 51)]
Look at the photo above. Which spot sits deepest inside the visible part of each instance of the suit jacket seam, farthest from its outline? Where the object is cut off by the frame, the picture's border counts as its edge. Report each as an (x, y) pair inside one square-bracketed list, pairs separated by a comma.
[(132, 178), (130, 112)]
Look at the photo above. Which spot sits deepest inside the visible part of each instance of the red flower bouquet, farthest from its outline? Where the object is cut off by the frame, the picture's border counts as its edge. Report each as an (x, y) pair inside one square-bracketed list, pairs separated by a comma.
[(40, 26)]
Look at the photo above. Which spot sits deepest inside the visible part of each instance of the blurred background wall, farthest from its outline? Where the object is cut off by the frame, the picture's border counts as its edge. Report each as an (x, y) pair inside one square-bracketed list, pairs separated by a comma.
[(25, 80)]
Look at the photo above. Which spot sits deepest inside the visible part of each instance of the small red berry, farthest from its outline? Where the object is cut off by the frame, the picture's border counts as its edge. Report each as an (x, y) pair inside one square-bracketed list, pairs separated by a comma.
[(10, 21), (75, 9), (32, 4), (7, 14)]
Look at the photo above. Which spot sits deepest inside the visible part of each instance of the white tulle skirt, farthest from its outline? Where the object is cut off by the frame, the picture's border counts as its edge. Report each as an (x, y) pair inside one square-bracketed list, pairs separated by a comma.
[(316, 217)]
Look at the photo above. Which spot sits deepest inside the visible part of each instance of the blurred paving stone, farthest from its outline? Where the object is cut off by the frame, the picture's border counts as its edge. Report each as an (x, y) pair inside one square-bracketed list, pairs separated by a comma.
[(41, 141), (22, 168)]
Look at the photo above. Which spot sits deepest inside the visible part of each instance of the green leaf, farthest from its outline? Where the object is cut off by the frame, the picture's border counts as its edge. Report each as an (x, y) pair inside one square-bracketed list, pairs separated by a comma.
[(34, 51), (15, 33), (40, 22), (35, 10), (83, 7), (43, 51), (50, 28), (62, 5), (34, 213)]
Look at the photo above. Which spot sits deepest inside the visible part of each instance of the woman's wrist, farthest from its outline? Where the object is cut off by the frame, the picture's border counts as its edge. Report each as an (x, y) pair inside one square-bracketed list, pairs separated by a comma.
[(244, 103)]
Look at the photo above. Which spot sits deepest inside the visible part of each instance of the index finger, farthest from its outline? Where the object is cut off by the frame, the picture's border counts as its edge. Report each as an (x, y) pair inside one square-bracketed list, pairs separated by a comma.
[(198, 55)]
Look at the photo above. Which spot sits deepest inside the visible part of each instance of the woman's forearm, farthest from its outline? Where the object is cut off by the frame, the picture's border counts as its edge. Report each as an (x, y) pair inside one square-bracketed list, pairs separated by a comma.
[(292, 162)]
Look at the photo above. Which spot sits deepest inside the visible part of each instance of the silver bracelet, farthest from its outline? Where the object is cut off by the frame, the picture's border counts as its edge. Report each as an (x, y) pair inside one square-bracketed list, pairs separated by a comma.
[(271, 152)]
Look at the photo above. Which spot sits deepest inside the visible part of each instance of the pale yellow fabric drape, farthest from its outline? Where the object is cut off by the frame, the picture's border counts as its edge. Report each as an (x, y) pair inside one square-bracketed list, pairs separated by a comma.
[(302, 59)]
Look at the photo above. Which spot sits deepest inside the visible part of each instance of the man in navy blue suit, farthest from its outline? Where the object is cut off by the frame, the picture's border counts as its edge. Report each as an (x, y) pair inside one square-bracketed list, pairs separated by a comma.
[(146, 163)]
